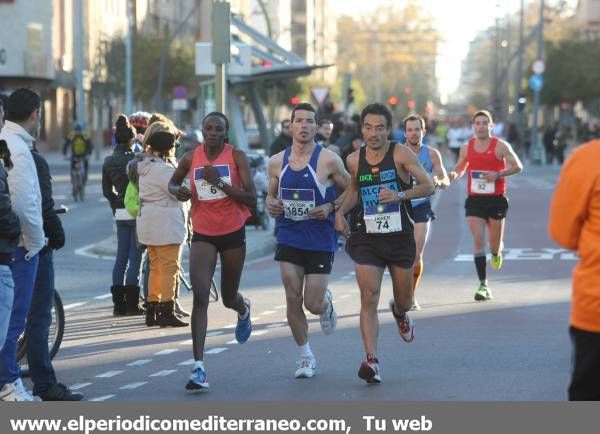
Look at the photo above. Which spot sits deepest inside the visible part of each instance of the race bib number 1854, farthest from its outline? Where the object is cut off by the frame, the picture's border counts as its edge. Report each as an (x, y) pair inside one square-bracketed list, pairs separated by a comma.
[(297, 203)]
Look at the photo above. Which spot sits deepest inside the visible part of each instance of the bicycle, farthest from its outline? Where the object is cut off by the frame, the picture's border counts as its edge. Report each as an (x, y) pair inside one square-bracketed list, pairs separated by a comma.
[(214, 292), (57, 325), (78, 178), (55, 335)]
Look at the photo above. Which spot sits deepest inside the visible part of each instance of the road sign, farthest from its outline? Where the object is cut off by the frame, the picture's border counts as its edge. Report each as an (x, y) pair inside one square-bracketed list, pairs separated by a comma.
[(180, 104), (180, 92), (320, 94), (536, 82), (538, 67), (240, 62)]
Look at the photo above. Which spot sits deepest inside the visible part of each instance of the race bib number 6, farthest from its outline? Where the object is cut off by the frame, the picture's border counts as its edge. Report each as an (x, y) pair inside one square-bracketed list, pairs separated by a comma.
[(207, 191)]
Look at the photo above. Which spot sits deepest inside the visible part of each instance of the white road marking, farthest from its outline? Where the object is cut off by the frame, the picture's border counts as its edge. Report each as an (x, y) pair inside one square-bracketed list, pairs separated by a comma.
[(102, 297), (187, 362), (527, 254), (188, 342), (109, 374), (79, 386), (132, 386), (276, 325), (102, 398), (163, 373), (232, 342), (268, 312), (140, 362), (215, 333), (259, 332), (74, 305), (215, 351), (281, 306), (165, 352)]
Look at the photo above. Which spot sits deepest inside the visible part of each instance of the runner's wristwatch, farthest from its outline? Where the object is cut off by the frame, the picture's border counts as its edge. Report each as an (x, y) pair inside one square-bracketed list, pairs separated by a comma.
[(401, 196)]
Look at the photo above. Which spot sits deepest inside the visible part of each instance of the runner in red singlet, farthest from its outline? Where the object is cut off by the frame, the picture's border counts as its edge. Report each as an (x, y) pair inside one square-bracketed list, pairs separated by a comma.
[(221, 192), (485, 157)]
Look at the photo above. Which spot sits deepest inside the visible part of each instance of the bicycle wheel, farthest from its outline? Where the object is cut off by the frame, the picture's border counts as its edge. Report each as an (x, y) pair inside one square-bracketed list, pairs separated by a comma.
[(214, 292), (55, 335)]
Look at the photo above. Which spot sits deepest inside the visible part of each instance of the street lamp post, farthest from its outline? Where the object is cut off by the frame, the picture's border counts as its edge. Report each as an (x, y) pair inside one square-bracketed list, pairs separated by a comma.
[(221, 49), (536, 148)]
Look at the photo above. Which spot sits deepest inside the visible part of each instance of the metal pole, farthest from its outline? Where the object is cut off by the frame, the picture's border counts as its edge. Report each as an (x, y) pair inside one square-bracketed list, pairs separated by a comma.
[(536, 152), (79, 70), (519, 68), (221, 86), (221, 49), (128, 81)]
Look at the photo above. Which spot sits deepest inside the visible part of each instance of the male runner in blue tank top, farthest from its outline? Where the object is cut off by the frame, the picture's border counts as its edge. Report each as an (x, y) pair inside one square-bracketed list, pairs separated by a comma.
[(302, 192), (382, 228), (431, 160)]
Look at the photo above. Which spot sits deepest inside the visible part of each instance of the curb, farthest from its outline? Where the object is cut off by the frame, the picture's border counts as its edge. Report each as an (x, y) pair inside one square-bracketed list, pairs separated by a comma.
[(107, 248)]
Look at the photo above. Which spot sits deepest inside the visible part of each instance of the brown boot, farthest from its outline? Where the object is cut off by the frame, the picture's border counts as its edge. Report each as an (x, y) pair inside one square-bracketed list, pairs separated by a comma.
[(166, 316)]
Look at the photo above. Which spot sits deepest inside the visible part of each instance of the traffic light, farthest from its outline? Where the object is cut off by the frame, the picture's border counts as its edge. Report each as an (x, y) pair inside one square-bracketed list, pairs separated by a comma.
[(294, 101), (393, 101), (410, 104), (349, 96), (408, 90)]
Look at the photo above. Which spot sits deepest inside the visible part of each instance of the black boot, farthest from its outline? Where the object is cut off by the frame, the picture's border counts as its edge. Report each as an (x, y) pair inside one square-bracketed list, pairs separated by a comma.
[(151, 313), (166, 316), (132, 299), (118, 298)]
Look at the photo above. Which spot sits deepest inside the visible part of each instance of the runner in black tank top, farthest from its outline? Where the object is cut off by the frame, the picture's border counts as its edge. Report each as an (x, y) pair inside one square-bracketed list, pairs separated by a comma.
[(382, 228)]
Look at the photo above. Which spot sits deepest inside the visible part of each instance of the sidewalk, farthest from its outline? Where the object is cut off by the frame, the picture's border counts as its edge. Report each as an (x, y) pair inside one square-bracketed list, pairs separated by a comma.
[(258, 243)]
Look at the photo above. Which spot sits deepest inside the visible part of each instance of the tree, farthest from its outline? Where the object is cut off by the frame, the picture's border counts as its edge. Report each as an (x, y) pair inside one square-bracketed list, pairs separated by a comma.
[(146, 57), (389, 50), (572, 72)]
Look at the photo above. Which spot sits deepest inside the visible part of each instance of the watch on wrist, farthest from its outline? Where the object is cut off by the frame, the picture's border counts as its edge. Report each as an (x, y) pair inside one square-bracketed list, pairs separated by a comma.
[(220, 184), (401, 196)]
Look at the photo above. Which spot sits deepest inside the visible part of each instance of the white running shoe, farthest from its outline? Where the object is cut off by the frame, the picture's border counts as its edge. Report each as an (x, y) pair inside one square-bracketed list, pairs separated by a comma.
[(406, 326), (329, 317), (306, 367), (15, 391)]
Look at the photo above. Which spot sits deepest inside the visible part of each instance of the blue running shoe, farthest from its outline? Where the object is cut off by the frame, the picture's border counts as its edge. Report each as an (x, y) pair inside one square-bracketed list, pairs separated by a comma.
[(244, 326), (198, 379)]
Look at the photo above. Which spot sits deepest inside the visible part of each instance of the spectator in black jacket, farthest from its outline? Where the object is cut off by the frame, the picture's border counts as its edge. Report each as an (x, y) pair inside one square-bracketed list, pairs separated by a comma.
[(9, 238), (125, 288), (39, 318), (283, 140)]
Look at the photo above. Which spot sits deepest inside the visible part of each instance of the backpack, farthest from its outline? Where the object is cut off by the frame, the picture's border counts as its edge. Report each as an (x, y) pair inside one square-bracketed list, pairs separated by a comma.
[(79, 144), (132, 199)]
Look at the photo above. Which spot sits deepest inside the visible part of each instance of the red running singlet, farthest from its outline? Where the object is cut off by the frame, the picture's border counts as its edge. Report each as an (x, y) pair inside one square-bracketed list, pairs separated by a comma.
[(213, 212), (479, 164)]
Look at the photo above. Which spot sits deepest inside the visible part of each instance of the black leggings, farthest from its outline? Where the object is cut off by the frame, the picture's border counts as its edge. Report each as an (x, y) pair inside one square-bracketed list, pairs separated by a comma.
[(203, 260)]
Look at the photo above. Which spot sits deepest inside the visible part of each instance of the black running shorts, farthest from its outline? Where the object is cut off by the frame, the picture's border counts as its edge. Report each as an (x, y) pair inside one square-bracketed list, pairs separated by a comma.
[(486, 207), (423, 213), (382, 250), (233, 240), (313, 261)]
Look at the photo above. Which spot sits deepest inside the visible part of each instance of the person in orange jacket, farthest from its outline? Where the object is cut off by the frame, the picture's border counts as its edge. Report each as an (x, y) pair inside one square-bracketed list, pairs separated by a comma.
[(574, 223)]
